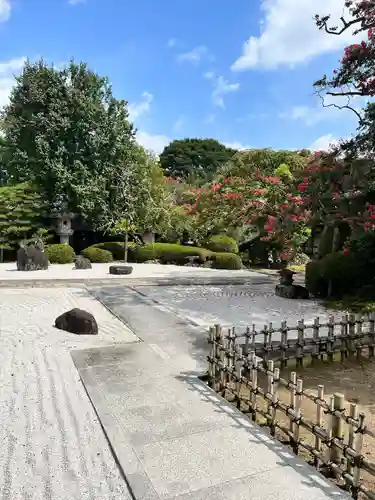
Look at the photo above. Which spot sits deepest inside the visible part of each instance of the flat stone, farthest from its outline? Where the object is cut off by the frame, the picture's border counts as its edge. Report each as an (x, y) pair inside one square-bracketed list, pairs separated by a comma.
[(120, 270), (291, 291)]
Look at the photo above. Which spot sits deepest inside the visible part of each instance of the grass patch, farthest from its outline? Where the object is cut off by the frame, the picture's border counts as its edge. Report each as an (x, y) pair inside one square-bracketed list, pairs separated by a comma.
[(351, 304)]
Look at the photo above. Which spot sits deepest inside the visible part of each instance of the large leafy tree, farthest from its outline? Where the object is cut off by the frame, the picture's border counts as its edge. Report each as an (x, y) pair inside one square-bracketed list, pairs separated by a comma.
[(267, 161), (194, 158), (68, 135)]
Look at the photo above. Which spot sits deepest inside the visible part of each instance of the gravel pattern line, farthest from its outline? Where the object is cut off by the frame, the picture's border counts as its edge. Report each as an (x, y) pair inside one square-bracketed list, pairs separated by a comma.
[(53, 447)]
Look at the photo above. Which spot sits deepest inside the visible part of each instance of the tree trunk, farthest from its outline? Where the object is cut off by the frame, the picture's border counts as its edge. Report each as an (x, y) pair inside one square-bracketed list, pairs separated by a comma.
[(126, 248)]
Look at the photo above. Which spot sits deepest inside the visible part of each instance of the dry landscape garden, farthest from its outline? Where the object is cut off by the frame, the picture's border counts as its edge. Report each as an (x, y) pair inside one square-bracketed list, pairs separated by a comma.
[(76, 189)]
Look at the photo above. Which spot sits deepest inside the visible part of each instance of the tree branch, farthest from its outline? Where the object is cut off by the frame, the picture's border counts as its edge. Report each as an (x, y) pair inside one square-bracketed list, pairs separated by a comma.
[(347, 93), (346, 25)]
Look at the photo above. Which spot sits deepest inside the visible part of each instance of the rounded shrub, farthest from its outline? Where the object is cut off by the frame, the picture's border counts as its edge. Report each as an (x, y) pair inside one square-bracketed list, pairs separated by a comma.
[(335, 275), (60, 254), (115, 247), (226, 261), (168, 253), (222, 243), (97, 255)]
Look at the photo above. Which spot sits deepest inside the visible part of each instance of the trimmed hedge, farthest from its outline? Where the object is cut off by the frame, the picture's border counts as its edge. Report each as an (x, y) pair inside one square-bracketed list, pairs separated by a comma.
[(60, 254), (226, 260), (97, 255), (336, 275), (222, 243), (115, 247), (169, 253)]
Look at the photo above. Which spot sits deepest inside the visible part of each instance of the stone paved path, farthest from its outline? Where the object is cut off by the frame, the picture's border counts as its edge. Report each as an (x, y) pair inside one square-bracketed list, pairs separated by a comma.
[(52, 445)]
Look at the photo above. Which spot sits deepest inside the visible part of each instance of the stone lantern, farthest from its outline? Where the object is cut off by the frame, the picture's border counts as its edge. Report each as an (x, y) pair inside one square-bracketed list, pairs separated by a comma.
[(64, 227)]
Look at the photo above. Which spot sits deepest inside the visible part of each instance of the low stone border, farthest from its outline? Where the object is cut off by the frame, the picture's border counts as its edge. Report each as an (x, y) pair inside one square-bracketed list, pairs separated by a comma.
[(52, 283)]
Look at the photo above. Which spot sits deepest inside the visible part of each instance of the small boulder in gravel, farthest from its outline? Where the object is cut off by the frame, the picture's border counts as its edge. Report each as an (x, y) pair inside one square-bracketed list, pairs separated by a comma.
[(77, 321), (82, 263)]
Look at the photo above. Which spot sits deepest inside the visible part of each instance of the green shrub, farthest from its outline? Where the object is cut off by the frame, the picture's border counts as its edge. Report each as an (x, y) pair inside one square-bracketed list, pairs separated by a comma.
[(336, 275), (60, 254), (97, 255), (226, 261), (115, 247), (169, 253), (222, 243)]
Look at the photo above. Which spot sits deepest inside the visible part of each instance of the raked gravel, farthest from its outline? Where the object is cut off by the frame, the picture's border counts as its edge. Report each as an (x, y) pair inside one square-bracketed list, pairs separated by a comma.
[(52, 445)]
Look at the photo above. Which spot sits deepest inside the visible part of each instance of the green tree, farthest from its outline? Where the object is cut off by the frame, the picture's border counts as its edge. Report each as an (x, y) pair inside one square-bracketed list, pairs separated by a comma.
[(194, 158), (267, 161), (21, 214), (4, 160), (69, 136)]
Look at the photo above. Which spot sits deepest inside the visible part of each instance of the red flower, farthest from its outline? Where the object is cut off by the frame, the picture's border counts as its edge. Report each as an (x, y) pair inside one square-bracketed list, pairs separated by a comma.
[(346, 251)]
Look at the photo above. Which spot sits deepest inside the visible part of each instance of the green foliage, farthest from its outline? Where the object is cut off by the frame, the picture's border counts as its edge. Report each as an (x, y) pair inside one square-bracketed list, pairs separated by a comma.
[(222, 243), (226, 261), (97, 255), (21, 211), (60, 254), (115, 247), (194, 158), (168, 252), (70, 137), (335, 275), (245, 163)]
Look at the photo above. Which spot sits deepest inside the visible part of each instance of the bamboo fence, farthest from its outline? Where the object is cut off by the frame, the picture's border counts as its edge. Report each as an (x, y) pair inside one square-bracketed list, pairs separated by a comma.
[(247, 373)]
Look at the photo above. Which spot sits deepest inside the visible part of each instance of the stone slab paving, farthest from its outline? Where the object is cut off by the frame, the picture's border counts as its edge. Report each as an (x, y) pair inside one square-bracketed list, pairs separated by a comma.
[(52, 444), (176, 439)]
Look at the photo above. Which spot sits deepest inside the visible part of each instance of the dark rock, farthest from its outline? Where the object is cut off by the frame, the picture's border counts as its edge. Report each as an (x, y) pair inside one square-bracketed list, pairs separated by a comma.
[(120, 270), (77, 321), (292, 291), (31, 258), (82, 263)]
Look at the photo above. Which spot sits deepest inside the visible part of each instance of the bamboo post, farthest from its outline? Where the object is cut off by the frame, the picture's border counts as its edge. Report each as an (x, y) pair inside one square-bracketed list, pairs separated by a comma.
[(238, 369), (319, 422), (371, 334), (298, 413), (254, 384), (331, 338), (351, 327), (265, 345), (358, 449), (337, 425), (284, 344), (315, 355), (344, 337), (293, 386), (270, 387), (352, 434), (276, 377), (359, 334), (300, 343), (211, 357), (223, 356), (217, 357)]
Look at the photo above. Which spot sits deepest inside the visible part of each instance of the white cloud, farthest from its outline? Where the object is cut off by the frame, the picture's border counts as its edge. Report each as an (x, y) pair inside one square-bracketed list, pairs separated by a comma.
[(323, 143), (179, 123), (221, 88), (154, 143), (76, 2), (142, 107), (196, 55), (310, 116), (236, 145), (171, 42), (5, 9), (7, 71), (289, 34)]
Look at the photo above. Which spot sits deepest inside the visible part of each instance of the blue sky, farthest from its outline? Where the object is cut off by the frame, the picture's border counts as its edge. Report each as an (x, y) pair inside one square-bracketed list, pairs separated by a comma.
[(241, 71)]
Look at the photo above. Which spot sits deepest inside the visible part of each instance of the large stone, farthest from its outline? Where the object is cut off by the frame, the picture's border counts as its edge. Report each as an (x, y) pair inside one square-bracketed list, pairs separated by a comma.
[(292, 291), (31, 258), (120, 270), (82, 263), (77, 321)]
